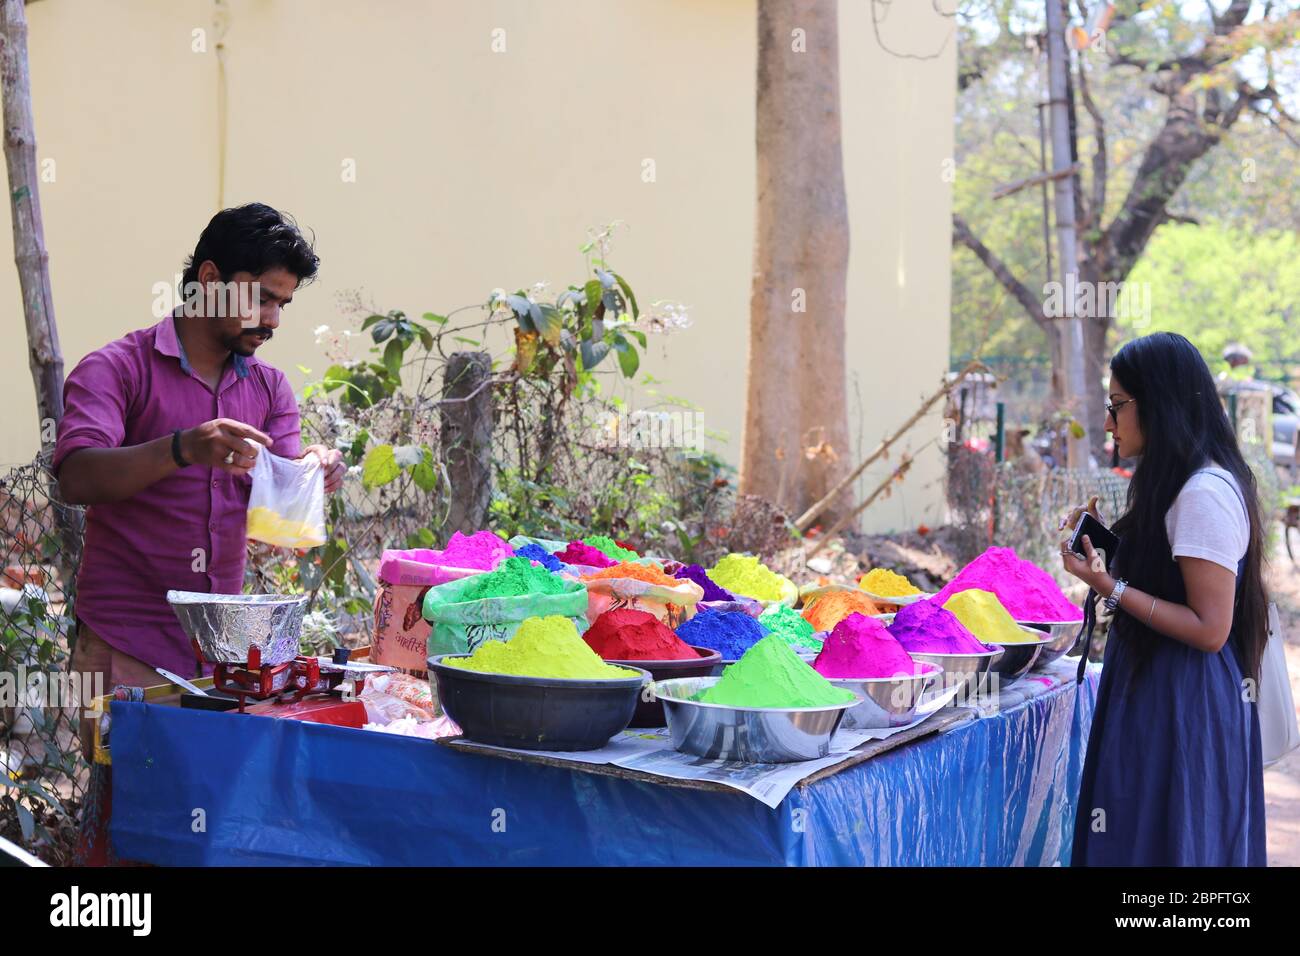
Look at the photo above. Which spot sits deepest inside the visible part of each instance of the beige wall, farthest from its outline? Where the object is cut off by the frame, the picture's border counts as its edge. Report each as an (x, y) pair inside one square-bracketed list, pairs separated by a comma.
[(478, 169)]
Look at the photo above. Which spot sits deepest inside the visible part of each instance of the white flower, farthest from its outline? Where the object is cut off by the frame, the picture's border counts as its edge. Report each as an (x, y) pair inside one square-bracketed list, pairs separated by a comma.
[(320, 332)]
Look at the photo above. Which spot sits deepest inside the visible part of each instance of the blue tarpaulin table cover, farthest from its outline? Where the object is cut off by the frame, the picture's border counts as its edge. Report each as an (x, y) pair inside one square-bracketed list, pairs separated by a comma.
[(192, 787)]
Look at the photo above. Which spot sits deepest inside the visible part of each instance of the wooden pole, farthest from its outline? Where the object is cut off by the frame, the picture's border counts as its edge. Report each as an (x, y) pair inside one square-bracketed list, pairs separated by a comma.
[(805, 520), (1071, 384), (466, 411), (44, 355)]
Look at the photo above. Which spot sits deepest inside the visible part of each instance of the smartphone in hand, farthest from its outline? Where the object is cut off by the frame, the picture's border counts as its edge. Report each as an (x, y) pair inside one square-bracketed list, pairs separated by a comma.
[(1102, 538)]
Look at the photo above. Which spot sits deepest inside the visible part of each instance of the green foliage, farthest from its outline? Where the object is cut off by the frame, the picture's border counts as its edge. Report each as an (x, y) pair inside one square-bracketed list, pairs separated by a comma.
[(1217, 285), (582, 326), (1247, 180)]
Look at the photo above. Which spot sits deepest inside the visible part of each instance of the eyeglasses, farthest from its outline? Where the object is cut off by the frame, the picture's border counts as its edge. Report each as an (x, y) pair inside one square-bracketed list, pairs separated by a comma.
[(1113, 410)]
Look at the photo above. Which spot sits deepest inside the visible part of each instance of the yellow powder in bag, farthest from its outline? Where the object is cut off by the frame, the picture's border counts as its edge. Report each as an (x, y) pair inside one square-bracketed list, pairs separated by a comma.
[(886, 583), (984, 616), (265, 525)]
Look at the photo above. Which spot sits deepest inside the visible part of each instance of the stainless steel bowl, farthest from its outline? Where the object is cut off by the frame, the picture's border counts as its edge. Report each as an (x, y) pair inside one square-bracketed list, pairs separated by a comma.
[(965, 671), (1018, 656), (746, 734), (1063, 634), (887, 701), (224, 627)]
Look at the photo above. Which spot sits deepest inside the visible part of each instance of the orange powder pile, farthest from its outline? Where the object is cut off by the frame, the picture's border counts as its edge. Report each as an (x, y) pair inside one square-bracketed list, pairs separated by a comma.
[(650, 573), (834, 606)]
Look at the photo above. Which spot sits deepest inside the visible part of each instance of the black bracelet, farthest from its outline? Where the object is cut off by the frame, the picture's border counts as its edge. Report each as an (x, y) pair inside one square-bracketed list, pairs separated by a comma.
[(176, 450)]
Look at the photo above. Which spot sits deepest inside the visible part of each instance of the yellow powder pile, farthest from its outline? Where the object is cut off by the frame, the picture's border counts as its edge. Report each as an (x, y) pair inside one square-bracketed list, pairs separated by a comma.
[(266, 525), (984, 616), (542, 647), (746, 575), (886, 583), (830, 608)]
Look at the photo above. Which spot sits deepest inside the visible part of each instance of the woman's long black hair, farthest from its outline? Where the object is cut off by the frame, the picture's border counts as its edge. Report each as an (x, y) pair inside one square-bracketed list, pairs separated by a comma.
[(1184, 427)]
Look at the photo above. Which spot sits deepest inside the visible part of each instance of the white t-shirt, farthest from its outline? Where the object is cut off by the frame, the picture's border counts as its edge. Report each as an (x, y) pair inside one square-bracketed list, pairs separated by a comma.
[(1208, 519)]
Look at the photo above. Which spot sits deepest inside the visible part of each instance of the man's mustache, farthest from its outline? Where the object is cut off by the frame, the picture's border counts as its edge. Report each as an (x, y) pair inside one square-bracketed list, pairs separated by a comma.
[(261, 330)]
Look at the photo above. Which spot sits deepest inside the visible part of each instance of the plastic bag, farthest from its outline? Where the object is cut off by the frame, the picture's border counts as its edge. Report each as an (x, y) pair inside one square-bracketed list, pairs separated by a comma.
[(672, 605), (459, 627), (389, 697), (1277, 721), (286, 506)]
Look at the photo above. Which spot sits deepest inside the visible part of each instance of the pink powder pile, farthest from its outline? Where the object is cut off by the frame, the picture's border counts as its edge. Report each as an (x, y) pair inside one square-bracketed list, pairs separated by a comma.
[(585, 554), (926, 628), (482, 549), (1025, 590), (861, 647)]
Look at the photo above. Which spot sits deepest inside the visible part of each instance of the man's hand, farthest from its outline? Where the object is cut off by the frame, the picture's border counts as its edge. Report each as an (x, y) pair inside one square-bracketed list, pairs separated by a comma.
[(332, 458), (225, 444)]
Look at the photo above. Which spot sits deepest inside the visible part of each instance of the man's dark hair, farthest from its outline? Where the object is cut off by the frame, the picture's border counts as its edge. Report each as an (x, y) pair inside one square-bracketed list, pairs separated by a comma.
[(252, 238)]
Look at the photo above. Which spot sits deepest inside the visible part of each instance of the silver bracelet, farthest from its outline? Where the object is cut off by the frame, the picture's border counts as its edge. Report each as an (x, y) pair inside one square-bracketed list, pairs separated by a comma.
[(1112, 602), (1151, 613)]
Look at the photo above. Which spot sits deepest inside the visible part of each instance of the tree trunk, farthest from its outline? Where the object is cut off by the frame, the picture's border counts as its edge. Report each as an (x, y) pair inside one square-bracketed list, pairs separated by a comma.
[(43, 352), (796, 396), (466, 412)]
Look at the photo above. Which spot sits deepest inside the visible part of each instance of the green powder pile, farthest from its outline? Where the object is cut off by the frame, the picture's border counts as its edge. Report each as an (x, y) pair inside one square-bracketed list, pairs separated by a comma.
[(791, 626), (513, 577), (609, 548), (772, 675)]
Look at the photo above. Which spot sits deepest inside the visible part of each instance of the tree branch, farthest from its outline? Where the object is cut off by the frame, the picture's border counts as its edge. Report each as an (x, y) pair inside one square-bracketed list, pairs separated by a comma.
[(1032, 304), (1182, 140)]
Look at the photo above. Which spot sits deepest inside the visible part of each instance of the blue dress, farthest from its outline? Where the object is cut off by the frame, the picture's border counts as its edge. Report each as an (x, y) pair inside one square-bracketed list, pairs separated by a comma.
[(1174, 773)]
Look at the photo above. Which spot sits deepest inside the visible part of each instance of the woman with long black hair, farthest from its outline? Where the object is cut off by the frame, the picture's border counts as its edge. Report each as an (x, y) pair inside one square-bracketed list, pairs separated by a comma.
[(1174, 773)]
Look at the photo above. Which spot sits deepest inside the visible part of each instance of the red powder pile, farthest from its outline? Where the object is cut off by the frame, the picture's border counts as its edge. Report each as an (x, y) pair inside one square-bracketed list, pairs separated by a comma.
[(650, 573), (626, 634)]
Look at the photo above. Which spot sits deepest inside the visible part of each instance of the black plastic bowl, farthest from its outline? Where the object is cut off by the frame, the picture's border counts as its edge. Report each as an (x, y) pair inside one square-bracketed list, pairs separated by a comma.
[(535, 713), (650, 713)]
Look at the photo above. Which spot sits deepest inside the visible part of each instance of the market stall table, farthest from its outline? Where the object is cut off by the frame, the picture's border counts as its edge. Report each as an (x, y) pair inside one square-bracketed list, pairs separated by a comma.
[(198, 788)]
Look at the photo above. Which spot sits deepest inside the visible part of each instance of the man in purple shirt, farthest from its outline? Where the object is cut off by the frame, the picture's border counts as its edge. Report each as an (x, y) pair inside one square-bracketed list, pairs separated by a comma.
[(159, 435)]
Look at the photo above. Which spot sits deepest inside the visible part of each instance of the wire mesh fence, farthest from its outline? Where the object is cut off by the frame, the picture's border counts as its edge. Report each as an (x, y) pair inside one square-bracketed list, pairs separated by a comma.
[(43, 773)]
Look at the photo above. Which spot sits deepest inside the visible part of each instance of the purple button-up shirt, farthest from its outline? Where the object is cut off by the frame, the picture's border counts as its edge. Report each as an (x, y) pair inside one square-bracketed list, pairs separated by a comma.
[(187, 530)]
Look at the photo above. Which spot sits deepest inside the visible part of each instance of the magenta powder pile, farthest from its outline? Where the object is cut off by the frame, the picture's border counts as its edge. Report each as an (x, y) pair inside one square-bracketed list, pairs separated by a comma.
[(860, 647), (1025, 590), (926, 628), (483, 550), (586, 555)]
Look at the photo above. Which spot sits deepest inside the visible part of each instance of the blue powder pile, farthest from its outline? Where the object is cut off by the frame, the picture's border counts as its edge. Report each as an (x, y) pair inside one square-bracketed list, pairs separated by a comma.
[(693, 572), (535, 552), (729, 632)]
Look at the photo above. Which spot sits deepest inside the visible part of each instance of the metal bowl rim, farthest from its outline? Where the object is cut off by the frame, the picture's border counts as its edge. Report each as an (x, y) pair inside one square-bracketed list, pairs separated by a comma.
[(944, 654), (1039, 638), (751, 710), (560, 683), (188, 598), (713, 658), (937, 672), (1023, 623)]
